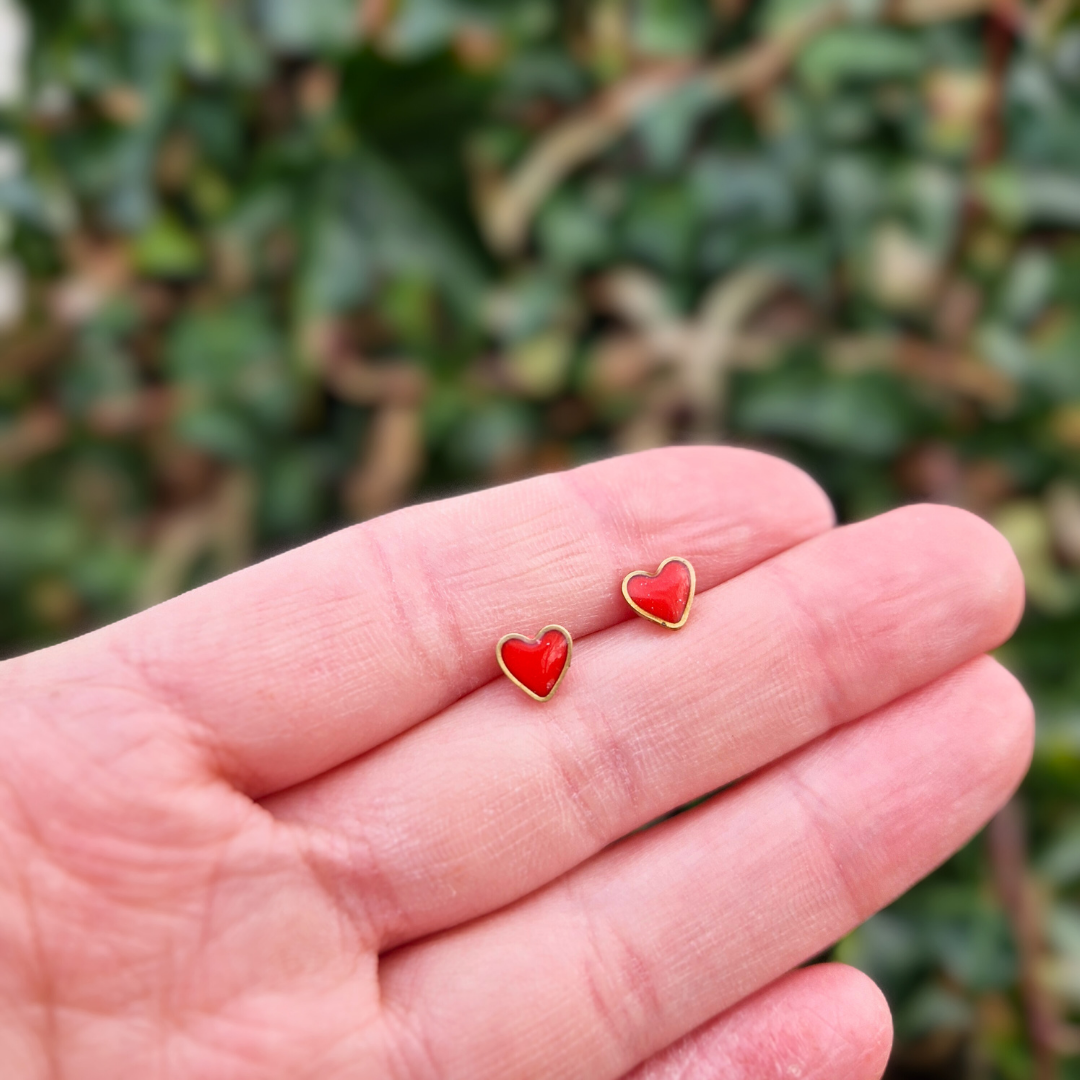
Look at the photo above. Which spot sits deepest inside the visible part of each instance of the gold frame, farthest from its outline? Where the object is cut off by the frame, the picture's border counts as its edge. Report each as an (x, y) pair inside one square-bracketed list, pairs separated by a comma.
[(534, 641), (659, 570)]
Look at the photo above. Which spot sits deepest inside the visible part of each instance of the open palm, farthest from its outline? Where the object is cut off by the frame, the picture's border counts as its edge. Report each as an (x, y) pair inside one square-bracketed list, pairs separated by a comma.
[(292, 825)]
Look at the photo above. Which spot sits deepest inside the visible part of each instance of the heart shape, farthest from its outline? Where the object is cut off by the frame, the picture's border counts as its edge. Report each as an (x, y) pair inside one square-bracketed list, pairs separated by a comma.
[(536, 665), (664, 597)]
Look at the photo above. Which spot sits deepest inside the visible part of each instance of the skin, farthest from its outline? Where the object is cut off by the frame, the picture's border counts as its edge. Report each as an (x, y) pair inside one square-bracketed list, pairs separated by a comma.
[(294, 824)]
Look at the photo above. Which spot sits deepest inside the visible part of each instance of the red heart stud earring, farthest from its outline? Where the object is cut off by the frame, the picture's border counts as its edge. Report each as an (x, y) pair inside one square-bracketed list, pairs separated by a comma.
[(664, 597), (536, 665)]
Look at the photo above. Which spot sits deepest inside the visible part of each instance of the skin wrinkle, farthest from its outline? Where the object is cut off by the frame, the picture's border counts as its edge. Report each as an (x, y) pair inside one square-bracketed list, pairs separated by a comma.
[(346, 631), (617, 978), (563, 561), (201, 1024), (337, 895), (220, 869), (561, 556), (380, 559), (763, 703), (336, 620), (351, 854), (211, 893), (411, 1054), (571, 781), (423, 644), (605, 758), (623, 532), (50, 704), (857, 1046), (558, 787), (240, 1031), (662, 731), (84, 863), (163, 698), (366, 890), (829, 696), (181, 961), (168, 694), (359, 631), (632, 533), (136, 910), (757, 1060), (46, 984), (52, 829), (813, 810)]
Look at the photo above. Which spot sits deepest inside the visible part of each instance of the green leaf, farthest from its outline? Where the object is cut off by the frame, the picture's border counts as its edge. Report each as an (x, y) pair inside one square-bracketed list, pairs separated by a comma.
[(1020, 197), (859, 53), (669, 27), (166, 249), (228, 359), (862, 414), (303, 26)]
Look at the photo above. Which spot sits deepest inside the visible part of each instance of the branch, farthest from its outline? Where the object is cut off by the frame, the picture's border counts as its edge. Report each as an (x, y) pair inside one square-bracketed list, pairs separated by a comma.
[(1008, 858), (510, 204), (507, 205)]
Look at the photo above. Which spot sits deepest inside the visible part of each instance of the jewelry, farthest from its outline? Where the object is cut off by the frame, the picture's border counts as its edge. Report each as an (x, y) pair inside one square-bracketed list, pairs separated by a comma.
[(664, 597), (536, 665)]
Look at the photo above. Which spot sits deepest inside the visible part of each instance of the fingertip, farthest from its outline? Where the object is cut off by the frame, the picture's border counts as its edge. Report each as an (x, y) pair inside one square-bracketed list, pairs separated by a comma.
[(782, 481), (825, 1022), (776, 487), (860, 1020), (993, 561), (971, 556), (1008, 728)]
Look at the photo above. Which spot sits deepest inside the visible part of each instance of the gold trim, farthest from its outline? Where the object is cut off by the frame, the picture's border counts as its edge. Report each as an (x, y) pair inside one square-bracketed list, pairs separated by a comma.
[(659, 570), (535, 641)]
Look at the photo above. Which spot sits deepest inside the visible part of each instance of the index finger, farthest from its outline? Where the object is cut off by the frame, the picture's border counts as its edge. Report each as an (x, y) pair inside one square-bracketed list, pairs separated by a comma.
[(312, 658)]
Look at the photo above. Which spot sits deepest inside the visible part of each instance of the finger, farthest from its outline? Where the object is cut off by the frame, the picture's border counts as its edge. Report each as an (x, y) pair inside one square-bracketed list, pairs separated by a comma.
[(496, 797), (592, 975), (828, 1022), (307, 660)]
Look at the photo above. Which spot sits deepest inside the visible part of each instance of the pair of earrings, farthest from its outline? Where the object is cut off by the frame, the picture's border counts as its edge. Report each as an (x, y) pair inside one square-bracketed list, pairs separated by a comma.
[(537, 665)]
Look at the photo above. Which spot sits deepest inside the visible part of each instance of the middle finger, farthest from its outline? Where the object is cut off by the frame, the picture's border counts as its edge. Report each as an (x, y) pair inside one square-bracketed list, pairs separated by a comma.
[(497, 796)]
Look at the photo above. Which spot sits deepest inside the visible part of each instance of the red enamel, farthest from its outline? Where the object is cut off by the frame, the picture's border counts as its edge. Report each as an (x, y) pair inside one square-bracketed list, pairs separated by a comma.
[(536, 664), (665, 595)]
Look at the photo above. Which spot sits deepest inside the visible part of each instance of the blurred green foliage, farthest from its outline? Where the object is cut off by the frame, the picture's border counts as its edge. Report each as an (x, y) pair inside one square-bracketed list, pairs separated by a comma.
[(272, 266)]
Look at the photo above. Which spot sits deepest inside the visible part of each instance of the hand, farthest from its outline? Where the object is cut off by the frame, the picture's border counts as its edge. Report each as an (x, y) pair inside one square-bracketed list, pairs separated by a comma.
[(293, 825)]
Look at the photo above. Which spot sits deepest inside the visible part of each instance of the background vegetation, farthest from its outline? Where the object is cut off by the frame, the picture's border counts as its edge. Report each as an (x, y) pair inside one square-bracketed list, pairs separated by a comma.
[(271, 266)]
